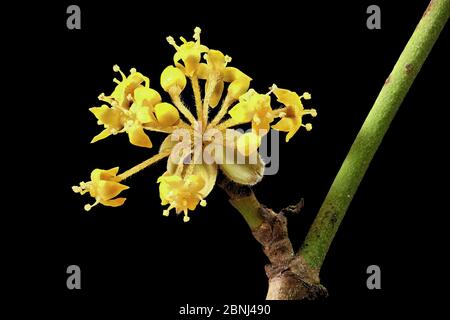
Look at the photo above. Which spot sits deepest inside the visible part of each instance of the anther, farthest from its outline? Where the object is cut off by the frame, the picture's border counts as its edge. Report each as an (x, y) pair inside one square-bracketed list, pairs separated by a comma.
[(171, 41), (197, 32), (306, 96), (272, 88)]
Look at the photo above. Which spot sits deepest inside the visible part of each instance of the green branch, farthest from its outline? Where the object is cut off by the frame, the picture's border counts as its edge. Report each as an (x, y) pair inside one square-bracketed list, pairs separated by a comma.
[(337, 201)]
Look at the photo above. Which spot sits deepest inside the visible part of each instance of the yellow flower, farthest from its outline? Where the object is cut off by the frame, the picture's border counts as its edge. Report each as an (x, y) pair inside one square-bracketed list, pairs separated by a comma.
[(182, 194), (255, 108), (125, 88), (293, 112), (190, 52), (130, 116), (103, 188), (216, 70), (201, 146), (130, 121)]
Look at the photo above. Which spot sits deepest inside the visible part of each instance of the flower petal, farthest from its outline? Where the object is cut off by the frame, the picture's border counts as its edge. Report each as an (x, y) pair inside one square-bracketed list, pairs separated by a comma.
[(109, 174), (108, 116), (217, 94), (242, 112), (109, 189), (288, 98), (102, 135), (245, 173), (209, 174), (143, 112), (172, 77), (146, 96), (203, 71), (242, 169), (231, 74), (285, 124), (114, 202), (138, 137), (166, 114)]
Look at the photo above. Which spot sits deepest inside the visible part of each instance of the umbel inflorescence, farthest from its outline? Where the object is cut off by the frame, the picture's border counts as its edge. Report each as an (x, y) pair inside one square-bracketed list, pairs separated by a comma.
[(196, 146)]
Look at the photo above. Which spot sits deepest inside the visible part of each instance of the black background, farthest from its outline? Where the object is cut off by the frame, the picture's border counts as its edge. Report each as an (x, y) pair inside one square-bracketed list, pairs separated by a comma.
[(134, 253)]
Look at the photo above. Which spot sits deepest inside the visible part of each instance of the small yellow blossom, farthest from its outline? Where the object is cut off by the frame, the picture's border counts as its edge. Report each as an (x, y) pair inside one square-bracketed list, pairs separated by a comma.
[(293, 112), (125, 87), (130, 116), (255, 108), (103, 188), (190, 52), (181, 194), (216, 70), (173, 77)]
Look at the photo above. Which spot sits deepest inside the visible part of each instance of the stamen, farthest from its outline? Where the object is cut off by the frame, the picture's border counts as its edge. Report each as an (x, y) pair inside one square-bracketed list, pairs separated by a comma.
[(132, 70), (166, 213), (197, 32), (282, 114), (308, 126), (172, 42), (186, 217), (203, 203), (227, 59), (306, 96), (76, 189), (117, 69), (88, 207), (272, 88)]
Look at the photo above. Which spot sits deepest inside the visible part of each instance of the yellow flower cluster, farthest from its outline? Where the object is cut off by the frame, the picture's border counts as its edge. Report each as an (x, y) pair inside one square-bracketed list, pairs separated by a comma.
[(133, 107)]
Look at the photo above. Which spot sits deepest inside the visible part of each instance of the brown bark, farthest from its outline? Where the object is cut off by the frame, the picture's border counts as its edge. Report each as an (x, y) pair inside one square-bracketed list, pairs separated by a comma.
[(290, 278)]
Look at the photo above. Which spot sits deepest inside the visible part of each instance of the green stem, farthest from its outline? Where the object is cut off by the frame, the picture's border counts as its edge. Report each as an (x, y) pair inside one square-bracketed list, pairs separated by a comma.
[(337, 201)]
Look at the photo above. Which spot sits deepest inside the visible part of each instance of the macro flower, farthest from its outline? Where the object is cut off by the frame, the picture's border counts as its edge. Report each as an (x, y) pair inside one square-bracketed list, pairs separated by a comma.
[(255, 108), (291, 115), (103, 188), (189, 52), (198, 144), (215, 71)]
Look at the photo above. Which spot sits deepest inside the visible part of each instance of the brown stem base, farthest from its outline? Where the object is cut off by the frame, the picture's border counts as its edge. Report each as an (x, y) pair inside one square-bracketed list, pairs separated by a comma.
[(290, 278)]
